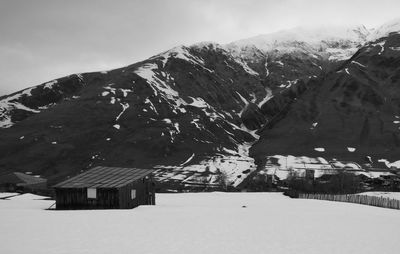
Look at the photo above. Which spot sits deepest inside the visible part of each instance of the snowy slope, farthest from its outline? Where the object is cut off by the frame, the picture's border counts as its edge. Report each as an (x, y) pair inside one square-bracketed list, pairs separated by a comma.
[(349, 114), (180, 104), (10, 103), (336, 43), (311, 35), (385, 29), (20, 105), (201, 223)]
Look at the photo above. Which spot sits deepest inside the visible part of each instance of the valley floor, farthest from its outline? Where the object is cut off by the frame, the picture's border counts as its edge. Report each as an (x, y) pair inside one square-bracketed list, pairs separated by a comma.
[(201, 223)]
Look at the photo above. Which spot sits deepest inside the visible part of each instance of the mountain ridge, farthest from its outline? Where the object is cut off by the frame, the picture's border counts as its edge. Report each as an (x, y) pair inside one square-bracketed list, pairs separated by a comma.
[(192, 112)]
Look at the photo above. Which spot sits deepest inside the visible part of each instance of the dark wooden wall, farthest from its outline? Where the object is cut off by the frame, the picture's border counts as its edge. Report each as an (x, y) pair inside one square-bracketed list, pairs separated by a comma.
[(145, 193), (76, 198), (107, 198)]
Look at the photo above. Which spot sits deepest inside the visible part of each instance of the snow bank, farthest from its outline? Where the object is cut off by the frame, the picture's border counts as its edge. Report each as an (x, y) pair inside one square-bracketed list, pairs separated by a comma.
[(7, 194), (233, 223)]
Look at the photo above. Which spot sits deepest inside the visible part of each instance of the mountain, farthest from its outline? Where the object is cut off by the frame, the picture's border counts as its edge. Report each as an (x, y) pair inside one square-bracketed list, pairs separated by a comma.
[(177, 105), (333, 43), (194, 112), (350, 114)]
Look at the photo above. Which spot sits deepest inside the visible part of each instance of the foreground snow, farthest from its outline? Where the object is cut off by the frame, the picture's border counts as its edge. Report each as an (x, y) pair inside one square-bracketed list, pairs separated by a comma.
[(201, 223), (7, 194)]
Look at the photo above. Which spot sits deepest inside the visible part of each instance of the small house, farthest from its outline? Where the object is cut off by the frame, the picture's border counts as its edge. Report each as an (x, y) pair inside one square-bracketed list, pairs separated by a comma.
[(20, 182), (106, 188)]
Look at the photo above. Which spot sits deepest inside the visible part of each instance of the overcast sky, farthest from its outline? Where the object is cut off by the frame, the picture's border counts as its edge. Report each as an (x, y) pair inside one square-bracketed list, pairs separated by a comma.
[(45, 39)]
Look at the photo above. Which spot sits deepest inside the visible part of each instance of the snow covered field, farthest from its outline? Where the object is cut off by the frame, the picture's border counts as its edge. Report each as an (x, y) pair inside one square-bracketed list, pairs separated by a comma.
[(201, 223), (7, 194)]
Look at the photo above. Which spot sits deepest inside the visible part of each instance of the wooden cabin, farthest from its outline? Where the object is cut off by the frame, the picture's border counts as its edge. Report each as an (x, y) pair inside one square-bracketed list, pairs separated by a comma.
[(106, 188), (20, 182)]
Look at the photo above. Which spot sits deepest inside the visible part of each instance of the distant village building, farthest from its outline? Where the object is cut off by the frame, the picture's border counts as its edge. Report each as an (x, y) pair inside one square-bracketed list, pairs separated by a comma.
[(106, 188), (20, 182), (310, 174)]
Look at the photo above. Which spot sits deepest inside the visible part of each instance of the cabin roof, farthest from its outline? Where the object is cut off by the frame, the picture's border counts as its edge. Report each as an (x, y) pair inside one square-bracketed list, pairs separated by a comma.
[(105, 177)]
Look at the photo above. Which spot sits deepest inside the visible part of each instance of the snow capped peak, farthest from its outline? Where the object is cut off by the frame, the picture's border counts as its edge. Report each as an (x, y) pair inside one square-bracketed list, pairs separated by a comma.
[(181, 52), (167, 53), (310, 35), (206, 44), (385, 29), (333, 42)]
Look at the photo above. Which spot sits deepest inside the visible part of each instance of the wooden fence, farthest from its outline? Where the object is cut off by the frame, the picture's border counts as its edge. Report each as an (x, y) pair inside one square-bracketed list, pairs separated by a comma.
[(357, 199)]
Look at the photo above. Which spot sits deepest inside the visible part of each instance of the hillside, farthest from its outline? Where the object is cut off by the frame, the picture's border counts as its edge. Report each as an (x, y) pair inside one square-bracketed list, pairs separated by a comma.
[(352, 112), (194, 112)]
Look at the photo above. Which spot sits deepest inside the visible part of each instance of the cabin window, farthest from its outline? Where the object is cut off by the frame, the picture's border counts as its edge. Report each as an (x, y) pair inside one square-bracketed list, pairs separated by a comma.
[(91, 193), (133, 194)]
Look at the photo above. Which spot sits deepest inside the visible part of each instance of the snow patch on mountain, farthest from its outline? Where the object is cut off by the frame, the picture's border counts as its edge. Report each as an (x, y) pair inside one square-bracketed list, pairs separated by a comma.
[(268, 96), (196, 123), (340, 54), (357, 63), (384, 30), (125, 92), (125, 106), (181, 52), (242, 98), (198, 102), (188, 160), (147, 72), (351, 149), (336, 43), (160, 82), (245, 67), (50, 84), (11, 103), (173, 129), (311, 35), (395, 164), (152, 107)]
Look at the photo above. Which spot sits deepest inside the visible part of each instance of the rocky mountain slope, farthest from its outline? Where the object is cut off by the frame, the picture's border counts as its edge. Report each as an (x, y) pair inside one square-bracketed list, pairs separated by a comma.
[(193, 112), (349, 114)]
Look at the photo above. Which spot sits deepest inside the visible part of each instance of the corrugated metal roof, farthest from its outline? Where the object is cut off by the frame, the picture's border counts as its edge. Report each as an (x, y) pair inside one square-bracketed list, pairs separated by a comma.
[(105, 177)]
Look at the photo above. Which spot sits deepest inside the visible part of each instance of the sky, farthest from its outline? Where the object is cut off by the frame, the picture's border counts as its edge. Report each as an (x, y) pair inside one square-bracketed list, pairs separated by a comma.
[(46, 39)]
